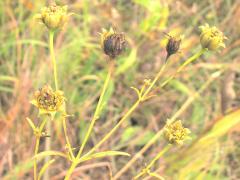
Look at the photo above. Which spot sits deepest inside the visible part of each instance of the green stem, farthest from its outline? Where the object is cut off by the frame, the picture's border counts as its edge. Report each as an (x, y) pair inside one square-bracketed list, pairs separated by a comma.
[(70, 170), (66, 137), (145, 170), (53, 58), (165, 149), (94, 119), (35, 160), (99, 106), (37, 147), (108, 135), (188, 61), (155, 80), (156, 176)]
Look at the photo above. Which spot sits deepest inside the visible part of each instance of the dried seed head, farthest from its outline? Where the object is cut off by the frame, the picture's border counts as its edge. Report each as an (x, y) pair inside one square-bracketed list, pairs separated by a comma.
[(113, 43), (54, 17), (175, 133), (48, 100), (173, 45), (211, 38)]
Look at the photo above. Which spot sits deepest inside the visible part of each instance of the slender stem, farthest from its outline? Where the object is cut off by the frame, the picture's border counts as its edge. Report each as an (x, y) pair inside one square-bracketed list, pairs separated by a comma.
[(165, 149), (146, 169), (155, 80), (108, 135), (35, 159), (156, 176), (37, 147), (94, 119), (98, 109), (53, 58), (139, 175), (188, 61), (66, 136), (47, 147), (70, 170)]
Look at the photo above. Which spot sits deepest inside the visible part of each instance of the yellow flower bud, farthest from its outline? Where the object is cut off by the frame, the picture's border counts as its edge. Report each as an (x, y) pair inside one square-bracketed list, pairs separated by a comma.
[(47, 100), (175, 133), (54, 17), (112, 43), (211, 38)]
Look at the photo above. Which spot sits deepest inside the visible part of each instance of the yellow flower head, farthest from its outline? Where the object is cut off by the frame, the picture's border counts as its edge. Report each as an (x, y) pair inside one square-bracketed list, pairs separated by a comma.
[(112, 43), (175, 133), (47, 100), (54, 17), (211, 38)]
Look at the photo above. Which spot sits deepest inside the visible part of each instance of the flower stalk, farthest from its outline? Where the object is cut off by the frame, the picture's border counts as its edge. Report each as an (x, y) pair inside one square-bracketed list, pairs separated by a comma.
[(99, 107), (147, 170), (94, 119), (53, 58), (38, 131)]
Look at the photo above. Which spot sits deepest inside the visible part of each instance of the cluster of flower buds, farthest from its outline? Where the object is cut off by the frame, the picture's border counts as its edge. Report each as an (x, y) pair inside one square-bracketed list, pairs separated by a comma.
[(175, 133), (113, 44), (47, 100), (211, 38), (54, 17)]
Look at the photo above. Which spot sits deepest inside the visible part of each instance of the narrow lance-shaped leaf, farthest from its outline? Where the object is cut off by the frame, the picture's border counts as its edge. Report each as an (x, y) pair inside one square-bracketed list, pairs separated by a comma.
[(31, 124), (43, 169), (103, 154), (50, 153)]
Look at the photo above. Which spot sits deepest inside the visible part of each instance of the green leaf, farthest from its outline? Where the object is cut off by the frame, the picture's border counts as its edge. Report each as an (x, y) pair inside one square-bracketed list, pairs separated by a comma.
[(127, 62), (8, 78), (129, 133), (198, 113), (146, 138), (103, 154), (223, 125), (50, 153), (181, 87), (43, 169), (83, 127), (107, 95)]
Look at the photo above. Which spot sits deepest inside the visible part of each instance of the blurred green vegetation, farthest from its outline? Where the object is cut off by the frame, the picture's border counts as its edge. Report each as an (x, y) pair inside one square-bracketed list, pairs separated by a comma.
[(25, 66)]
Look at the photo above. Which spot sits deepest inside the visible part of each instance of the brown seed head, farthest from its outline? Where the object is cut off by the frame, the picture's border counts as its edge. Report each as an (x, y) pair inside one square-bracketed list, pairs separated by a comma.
[(113, 43), (173, 46)]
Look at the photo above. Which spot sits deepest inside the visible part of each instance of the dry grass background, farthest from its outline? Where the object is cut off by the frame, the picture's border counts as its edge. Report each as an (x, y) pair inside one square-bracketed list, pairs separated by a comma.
[(25, 66)]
